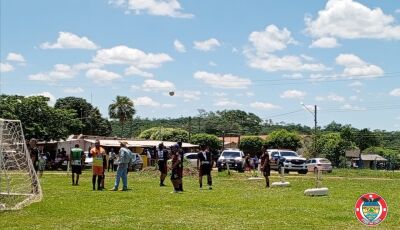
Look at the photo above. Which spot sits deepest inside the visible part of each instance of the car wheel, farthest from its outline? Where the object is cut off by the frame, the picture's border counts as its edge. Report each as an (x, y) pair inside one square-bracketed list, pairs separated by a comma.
[(286, 171), (240, 169), (219, 169)]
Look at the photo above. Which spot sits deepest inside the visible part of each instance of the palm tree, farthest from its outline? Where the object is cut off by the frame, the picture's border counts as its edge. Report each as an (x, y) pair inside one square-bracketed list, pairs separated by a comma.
[(122, 109)]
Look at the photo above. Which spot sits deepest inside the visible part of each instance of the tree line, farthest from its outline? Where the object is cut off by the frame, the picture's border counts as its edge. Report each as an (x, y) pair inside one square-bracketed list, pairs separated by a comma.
[(74, 115)]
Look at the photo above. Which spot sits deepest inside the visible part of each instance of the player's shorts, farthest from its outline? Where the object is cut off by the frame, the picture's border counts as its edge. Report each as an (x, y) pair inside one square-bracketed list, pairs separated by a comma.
[(77, 169), (205, 169), (162, 166), (98, 170)]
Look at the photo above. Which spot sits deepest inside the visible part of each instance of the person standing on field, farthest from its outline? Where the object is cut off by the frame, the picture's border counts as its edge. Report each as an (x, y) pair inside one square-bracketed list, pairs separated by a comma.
[(98, 153), (111, 158), (175, 168), (125, 156), (76, 162), (204, 161), (265, 165), (162, 158)]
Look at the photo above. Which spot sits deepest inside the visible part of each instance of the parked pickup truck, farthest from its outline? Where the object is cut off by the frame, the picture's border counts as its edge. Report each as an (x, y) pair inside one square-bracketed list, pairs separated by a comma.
[(288, 160)]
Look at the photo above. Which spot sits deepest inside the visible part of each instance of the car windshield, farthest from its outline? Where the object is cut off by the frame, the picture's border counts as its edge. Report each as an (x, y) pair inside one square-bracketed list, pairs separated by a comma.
[(231, 154), (324, 161), (288, 154)]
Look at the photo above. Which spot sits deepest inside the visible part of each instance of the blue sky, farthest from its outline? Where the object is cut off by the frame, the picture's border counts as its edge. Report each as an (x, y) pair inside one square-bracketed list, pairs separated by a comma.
[(265, 57)]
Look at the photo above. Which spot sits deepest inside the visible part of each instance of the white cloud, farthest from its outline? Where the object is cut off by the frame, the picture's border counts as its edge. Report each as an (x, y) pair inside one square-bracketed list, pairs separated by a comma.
[(169, 8), (224, 102), (86, 66), (352, 107), (132, 70), (264, 105), (211, 63), (149, 102), (68, 40), (293, 94), (356, 84), (395, 92), (124, 55), (188, 95), (59, 72), (52, 98), (356, 67), (397, 11), (100, 76), (179, 46), (250, 94), (145, 101), (206, 45), (6, 67), (331, 97), (15, 57), (219, 94), (325, 42), (293, 76), (286, 63), (74, 90), (154, 85), (271, 39), (222, 80), (348, 19), (265, 43)]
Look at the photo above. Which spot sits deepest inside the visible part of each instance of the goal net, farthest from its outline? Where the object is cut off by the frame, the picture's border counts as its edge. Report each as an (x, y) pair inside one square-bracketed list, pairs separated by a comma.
[(19, 184)]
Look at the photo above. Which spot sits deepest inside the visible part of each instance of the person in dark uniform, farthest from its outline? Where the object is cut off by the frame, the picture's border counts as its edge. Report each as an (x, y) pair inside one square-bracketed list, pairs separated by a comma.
[(162, 158), (181, 153), (34, 153), (204, 161), (76, 161), (175, 168), (265, 165)]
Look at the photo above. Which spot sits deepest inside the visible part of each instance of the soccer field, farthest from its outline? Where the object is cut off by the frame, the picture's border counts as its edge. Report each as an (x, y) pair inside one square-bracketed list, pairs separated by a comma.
[(234, 203)]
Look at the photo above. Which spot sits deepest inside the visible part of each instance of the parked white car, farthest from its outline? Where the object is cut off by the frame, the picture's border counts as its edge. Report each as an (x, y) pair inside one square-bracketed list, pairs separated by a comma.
[(322, 164), (191, 158)]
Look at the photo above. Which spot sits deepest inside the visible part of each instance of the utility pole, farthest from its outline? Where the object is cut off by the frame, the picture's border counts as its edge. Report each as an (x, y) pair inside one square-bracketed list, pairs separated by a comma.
[(190, 127), (315, 127)]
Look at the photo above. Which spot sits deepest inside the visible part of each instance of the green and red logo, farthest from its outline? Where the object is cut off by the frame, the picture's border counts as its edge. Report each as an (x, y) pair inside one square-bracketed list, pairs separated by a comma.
[(371, 209)]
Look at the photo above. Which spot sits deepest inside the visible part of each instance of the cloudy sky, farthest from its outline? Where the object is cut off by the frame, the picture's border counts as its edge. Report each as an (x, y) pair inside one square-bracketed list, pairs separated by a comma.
[(262, 56)]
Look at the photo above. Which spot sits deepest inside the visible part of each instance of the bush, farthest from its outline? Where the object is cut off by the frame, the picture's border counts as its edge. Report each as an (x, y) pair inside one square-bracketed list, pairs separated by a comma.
[(251, 145), (283, 139), (206, 139)]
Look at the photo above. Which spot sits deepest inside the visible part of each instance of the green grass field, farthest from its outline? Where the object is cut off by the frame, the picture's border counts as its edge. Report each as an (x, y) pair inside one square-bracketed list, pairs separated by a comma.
[(234, 203)]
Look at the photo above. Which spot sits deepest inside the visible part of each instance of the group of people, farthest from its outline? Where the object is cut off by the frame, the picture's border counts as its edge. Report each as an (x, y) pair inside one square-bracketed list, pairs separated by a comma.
[(125, 156), (99, 165), (204, 164)]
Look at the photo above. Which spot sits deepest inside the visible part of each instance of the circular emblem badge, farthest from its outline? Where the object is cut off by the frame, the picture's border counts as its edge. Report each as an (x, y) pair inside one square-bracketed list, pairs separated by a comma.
[(371, 209)]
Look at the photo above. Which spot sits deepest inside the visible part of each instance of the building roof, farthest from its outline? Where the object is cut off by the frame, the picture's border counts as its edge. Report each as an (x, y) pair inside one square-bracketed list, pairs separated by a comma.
[(353, 153), (139, 143), (372, 157)]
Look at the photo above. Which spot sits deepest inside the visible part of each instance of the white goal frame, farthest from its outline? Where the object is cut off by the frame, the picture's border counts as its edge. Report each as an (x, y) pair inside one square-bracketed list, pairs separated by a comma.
[(19, 183)]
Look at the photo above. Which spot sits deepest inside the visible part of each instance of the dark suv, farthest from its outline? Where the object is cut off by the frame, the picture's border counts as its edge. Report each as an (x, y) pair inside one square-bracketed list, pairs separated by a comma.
[(232, 158)]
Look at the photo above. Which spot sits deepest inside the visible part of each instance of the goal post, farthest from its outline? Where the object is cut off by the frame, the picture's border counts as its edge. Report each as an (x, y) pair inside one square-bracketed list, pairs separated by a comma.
[(19, 183)]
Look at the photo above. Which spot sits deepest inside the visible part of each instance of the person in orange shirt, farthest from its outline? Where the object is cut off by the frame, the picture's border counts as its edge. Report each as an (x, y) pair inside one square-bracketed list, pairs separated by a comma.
[(98, 153)]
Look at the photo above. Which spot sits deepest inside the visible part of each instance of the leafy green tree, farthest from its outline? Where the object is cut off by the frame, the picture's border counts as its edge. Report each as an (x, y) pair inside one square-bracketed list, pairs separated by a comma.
[(251, 145), (206, 139), (333, 147), (165, 134), (365, 139), (122, 109), (91, 121), (284, 139), (39, 120)]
